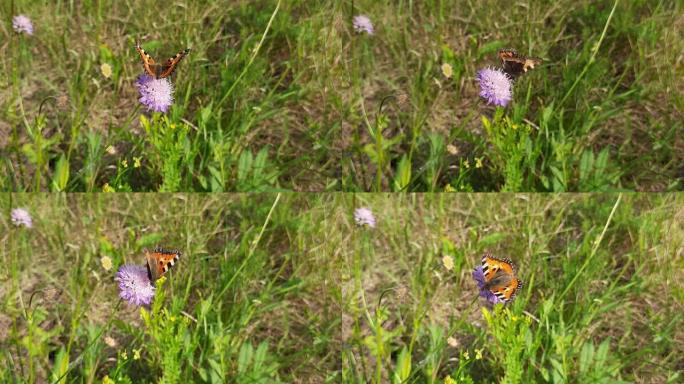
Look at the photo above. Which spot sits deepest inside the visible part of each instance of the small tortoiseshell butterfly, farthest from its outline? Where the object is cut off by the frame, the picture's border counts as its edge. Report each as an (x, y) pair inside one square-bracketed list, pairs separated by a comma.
[(159, 261), (500, 277), (156, 70), (515, 64)]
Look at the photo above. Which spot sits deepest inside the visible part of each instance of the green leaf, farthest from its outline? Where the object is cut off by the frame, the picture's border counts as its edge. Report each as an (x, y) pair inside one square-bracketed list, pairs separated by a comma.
[(60, 366), (492, 239), (149, 240), (403, 367), (586, 165), (245, 357), (403, 176), (244, 165), (61, 176), (586, 356)]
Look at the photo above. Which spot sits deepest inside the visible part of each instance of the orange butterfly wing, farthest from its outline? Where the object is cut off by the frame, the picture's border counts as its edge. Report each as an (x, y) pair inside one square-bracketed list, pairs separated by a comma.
[(148, 61), (171, 63), (493, 267), (160, 261), (514, 64)]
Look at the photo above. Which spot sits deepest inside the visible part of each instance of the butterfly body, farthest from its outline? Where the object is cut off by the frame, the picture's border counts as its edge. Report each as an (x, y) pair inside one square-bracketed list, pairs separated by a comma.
[(500, 277), (157, 70), (160, 261), (516, 64)]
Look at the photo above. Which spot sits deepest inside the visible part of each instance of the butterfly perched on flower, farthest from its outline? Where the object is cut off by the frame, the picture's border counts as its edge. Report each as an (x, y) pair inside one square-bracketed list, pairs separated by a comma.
[(159, 262), (157, 70), (497, 279), (514, 64)]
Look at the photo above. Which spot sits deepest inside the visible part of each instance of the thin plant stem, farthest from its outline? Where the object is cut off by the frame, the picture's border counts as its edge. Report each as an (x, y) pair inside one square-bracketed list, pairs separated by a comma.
[(597, 242), (254, 54), (255, 243), (79, 359), (593, 55)]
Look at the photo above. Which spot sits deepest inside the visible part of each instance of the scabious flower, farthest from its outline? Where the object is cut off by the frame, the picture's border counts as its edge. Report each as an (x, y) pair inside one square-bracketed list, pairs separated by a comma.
[(362, 23), (155, 94), (364, 216), (22, 24), (21, 216), (135, 284), (495, 86), (478, 275)]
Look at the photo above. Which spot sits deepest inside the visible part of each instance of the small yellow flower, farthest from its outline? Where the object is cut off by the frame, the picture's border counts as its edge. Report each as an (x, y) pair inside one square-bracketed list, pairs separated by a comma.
[(449, 188), (106, 70), (447, 71), (448, 262), (478, 162), (478, 354), (107, 188), (110, 342), (136, 354), (466, 164), (136, 161), (124, 162), (124, 355), (449, 380), (107, 380), (106, 263), (466, 355)]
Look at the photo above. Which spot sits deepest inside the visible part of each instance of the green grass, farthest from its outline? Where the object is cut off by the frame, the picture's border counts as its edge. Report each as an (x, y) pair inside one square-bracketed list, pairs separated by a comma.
[(601, 299), (251, 299), (255, 108), (283, 95), (601, 112), (285, 288)]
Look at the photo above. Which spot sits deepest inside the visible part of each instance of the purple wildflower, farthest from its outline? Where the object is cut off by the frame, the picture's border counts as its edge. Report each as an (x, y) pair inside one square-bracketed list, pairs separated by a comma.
[(21, 216), (495, 86), (478, 275), (364, 216), (22, 24), (135, 284), (155, 94), (362, 23)]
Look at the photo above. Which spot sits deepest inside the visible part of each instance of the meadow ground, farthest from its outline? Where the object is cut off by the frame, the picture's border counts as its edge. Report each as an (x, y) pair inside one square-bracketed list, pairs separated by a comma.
[(286, 288), (285, 95), (250, 301), (603, 111), (256, 99)]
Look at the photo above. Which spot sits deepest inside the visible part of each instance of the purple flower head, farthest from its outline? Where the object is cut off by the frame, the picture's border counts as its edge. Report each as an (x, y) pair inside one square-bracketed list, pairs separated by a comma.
[(495, 86), (155, 94), (478, 275), (362, 23), (135, 284), (22, 24), (21, 216), (364, 216)]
